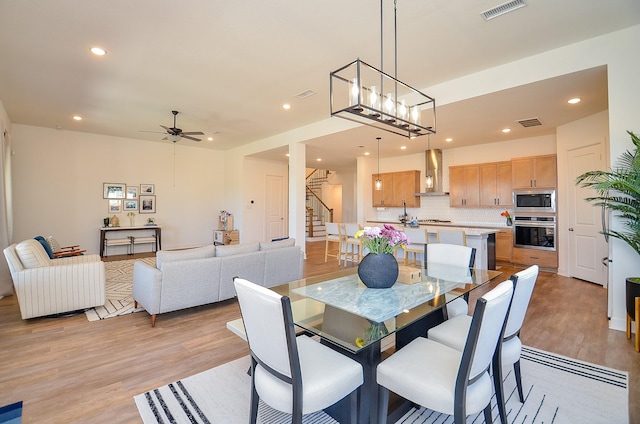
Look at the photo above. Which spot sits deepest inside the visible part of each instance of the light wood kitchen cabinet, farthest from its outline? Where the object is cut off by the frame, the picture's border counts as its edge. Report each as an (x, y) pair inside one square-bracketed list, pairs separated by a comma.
[(504, 245), (396, 187), (542, 258), (464, 190), (495, 184), (405, 185), (534, 172)]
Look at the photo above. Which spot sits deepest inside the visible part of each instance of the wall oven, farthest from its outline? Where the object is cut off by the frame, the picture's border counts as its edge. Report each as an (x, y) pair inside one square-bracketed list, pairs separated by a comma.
[(534, 201), (535, 232)]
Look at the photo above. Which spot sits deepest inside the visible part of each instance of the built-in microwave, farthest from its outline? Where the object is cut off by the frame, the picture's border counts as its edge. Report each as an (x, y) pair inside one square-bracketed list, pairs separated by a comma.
[(534, 201)]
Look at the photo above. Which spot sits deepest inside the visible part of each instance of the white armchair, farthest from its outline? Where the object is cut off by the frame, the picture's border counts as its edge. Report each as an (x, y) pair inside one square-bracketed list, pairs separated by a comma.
[(47, 286)]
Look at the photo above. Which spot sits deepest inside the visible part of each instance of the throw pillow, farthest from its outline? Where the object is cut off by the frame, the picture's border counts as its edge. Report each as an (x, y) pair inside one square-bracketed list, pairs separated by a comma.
[(32, 254), (237, 249), (55, 246), (46, 246), (278, 244)]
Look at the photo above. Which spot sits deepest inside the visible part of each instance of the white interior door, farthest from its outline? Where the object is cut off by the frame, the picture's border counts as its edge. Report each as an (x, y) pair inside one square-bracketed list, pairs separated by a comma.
[(275, 207), (587, 247)]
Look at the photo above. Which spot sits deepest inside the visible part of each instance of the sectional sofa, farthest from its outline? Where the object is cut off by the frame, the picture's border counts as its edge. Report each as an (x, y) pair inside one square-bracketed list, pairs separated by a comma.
[(193, 277)]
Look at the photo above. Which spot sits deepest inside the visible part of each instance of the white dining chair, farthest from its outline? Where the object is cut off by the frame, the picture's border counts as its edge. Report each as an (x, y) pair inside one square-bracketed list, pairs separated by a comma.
[(295, 375), (444, 379), (454, 255), (333, 235), (454, 331), (418, 239)]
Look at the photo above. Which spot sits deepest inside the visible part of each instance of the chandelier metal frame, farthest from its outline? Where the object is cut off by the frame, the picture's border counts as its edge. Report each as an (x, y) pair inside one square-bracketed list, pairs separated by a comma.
[(357, 92)]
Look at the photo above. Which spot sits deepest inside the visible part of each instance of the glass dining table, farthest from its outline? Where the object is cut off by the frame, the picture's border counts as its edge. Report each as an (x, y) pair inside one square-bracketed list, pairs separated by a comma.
[(361, 322)]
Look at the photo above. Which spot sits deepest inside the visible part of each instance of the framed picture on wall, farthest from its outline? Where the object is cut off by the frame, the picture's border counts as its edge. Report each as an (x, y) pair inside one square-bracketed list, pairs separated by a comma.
[(132, 192), (147, 189), (130, 205), (147, 204), (113, 191), (115, 205)]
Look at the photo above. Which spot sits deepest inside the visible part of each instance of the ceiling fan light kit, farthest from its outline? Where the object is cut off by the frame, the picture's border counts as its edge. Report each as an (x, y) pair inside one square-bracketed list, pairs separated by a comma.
[(175, 134), (367, 95)]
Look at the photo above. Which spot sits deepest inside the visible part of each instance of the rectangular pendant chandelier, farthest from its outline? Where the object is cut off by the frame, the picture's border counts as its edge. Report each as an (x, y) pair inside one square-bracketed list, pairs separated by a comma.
[(361, 93)]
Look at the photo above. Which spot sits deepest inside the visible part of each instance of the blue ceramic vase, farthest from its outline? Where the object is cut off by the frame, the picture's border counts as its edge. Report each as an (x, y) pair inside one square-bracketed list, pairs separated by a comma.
[(378, 270)]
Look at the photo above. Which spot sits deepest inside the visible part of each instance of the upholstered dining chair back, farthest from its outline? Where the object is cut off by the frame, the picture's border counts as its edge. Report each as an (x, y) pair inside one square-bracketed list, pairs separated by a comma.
[(451, 254), (487, 327), (295, 375), (268, 332), (524, 282), (452, 236)]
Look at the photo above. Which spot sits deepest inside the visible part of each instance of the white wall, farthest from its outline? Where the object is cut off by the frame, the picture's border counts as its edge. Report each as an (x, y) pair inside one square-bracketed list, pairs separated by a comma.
[(6, 286), (58, 177)]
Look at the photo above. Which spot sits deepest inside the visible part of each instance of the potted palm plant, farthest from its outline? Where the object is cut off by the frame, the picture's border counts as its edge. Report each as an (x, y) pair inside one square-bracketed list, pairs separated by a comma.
[(619, 192)]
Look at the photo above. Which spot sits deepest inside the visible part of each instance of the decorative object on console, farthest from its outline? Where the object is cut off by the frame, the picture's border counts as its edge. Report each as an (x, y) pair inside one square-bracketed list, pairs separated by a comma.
[(151, 221), (132, 218), (379, 268), (507, 215), (115, 221), (106, 221), (357, 90)]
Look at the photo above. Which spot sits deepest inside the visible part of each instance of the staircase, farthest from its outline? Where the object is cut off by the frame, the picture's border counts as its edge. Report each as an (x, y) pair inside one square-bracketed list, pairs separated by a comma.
[(317, 212)]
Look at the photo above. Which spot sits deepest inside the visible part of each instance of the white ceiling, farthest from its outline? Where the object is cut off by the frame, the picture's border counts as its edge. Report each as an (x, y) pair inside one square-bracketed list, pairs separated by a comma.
[(229, 66)]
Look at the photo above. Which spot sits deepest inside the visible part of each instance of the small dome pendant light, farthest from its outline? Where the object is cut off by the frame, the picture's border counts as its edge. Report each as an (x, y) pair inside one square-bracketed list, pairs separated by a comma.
[(378, 180)]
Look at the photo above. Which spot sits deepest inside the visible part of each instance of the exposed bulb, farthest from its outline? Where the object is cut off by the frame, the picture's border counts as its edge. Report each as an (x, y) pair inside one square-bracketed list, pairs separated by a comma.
[(378, 184), (429, 181)]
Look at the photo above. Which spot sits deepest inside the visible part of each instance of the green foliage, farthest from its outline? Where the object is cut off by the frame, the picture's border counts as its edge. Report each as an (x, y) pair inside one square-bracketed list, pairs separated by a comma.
[(619, 192)]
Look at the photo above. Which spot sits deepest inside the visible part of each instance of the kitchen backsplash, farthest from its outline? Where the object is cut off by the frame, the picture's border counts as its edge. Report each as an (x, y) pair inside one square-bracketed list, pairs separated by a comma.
[(437, 207)]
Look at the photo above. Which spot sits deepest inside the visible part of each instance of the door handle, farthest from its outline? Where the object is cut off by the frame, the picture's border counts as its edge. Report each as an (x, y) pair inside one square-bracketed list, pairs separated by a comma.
[(570, 229), (605, 261)]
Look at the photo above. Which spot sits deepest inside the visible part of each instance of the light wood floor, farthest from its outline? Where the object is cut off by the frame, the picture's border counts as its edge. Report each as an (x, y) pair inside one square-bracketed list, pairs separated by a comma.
[(69, 370)]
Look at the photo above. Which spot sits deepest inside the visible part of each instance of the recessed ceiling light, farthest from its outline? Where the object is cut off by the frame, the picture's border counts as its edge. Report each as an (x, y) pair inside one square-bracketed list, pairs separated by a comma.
[(403, 147), (77, 118), (448, 139), (287, 155), (367, 153), (506, 130), (98, 51), (210, 138), (574, 100), (286, 106), (319, 159)]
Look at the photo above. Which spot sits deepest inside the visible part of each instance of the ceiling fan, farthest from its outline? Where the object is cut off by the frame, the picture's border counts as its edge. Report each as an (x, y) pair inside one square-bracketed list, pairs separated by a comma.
[(176, 133)]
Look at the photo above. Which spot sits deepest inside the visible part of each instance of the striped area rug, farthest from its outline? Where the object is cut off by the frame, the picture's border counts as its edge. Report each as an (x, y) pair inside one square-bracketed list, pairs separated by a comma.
[(119, 280), (557, 390)]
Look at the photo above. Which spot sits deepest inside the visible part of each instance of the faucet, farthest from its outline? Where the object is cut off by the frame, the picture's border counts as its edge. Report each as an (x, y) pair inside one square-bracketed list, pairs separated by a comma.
[(404, 215)]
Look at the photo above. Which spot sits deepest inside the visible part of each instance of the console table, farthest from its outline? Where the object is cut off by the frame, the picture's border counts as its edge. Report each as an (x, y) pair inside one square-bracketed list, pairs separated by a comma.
[(156, 229)]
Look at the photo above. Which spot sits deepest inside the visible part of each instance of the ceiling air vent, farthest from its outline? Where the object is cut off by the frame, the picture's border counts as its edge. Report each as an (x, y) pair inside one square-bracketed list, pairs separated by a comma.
[(507, 7), (529, 122), (305, 94)]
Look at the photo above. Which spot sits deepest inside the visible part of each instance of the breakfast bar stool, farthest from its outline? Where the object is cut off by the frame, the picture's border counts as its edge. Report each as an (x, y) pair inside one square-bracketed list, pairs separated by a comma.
[(418, 239), (633, 309), (452, 236), (352, 244), (333, 235)]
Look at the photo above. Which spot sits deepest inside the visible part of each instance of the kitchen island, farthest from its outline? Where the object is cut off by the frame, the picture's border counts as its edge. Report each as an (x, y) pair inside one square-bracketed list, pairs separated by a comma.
[(482, 239)]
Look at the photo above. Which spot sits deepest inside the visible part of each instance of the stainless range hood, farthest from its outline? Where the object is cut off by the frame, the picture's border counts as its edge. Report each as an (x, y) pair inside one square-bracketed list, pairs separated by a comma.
[(433, 167)]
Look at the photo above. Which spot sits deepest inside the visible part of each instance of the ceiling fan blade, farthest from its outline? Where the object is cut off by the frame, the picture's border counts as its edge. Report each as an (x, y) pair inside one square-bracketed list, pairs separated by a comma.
[(165, 128), (154, 132), (189, 138), (193, 133)]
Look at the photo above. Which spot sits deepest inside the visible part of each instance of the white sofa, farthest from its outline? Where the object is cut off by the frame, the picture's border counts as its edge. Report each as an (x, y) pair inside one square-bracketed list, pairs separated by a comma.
[(47, 286), (192, 277)]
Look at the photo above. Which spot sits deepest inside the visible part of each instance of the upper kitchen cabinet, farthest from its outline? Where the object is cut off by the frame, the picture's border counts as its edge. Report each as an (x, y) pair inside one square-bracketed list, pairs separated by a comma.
[(397, 187), (383, 197), (405, 185), (495, 184), (534, 172), (463, 186)]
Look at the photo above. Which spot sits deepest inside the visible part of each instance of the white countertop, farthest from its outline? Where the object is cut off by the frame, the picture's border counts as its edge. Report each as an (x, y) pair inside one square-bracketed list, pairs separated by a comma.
[(470, 230)]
